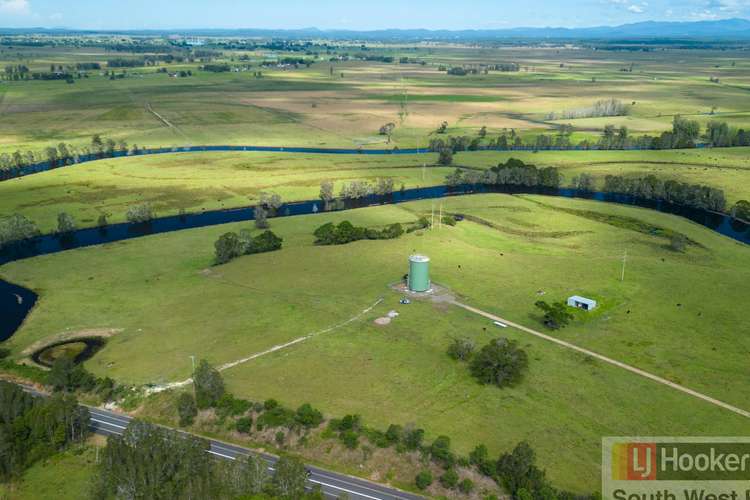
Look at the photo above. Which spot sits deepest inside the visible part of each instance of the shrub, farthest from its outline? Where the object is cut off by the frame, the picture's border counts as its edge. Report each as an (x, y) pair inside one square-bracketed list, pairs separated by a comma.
[(449, 479), (244, 425), (308, 416), (466, 486), (351, 422), (394, 433), (270, 404), (16, 228), (501, 362), (461, 349), (441, 451), (65, 223), (413, 438), (229, 405), (227, 247), (678, 242), (4, 353), (278, 416), (423, 480), (350, 439), (279, 438)]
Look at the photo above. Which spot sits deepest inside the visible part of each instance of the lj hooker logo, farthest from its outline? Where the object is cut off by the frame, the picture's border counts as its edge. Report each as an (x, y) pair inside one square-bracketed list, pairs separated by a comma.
[(676, 468), (634, 461)]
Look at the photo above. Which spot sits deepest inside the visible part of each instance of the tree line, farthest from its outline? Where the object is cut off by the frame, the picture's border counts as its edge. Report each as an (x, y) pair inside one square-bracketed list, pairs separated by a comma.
[(34, 428), (651, 187), (345, 232)]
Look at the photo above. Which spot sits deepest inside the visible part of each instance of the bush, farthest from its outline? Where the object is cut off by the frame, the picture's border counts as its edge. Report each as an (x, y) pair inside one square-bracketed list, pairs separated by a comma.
[(187, 409), (423, 480), (227, 247), (501, 362), (394, 433), (278, 416), (65, 223), (466, 486), (678, 242), (16, 228), (308, 416), (441, 451), (231, 245), (413, 438), (461, 349), (4, 353), (244, 425), (449, 479), (350, 439), (270, 404), (228, 405)]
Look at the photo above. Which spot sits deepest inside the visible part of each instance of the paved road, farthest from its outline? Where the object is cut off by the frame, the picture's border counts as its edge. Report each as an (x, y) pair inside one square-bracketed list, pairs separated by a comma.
[(333, 484)]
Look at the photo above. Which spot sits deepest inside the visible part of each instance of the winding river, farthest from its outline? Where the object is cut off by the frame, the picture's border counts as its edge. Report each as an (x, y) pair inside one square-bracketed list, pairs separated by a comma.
[(16, 301)]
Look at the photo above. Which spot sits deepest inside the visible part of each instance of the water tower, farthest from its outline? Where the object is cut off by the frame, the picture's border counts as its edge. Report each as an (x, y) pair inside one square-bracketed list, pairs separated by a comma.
[(419, 273)]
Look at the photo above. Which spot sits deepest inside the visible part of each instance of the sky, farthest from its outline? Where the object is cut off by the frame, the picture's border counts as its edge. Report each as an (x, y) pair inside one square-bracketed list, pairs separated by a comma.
[(357, 14)]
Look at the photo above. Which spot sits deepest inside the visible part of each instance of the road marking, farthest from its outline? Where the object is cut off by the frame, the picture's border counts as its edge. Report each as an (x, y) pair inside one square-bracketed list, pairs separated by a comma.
[(611, 361), (344, 489), (109, 423)]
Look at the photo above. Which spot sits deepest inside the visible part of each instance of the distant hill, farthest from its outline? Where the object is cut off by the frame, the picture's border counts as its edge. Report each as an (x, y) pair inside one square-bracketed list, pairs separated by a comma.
[(736, 29)]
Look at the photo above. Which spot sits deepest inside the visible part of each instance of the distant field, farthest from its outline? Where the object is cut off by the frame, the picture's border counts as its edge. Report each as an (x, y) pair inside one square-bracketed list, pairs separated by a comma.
[(670, 316), (203, 181), (345, 103)]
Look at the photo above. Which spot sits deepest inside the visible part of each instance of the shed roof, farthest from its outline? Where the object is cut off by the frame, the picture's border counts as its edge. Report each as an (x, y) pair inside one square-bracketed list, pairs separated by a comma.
[(582, 300)]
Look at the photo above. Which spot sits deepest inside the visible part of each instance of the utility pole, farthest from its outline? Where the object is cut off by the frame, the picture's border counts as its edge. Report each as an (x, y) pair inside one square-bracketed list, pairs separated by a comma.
[(192, 358), (440, 219), (432, 216), (624, 261)]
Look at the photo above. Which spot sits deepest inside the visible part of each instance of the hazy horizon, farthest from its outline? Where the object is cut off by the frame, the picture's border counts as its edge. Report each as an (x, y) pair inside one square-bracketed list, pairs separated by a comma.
[(342, 15)]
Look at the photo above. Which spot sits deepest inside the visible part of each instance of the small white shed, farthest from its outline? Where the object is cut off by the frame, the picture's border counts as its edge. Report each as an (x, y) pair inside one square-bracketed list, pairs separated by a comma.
[(581, 303)]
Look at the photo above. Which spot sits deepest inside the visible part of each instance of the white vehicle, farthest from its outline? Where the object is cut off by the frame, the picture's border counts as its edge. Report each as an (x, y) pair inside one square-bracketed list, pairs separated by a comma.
[(501, 325)]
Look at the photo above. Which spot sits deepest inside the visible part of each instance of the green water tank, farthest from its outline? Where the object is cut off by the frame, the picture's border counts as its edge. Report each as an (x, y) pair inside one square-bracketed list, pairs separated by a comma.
[(419, 273)]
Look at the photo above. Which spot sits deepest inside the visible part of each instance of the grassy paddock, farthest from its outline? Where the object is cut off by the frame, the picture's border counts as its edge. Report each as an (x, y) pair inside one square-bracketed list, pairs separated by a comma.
[(204, 181), (670, 316)]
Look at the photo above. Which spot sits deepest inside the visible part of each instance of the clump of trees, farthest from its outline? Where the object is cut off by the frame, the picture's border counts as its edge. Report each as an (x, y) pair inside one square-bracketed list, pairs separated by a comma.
[(15, 228), (32, 429), (680, 193), (356, 190), (601, 108), (513, 172), (461, 349), (346, 232), (231, 244), (556, 315)]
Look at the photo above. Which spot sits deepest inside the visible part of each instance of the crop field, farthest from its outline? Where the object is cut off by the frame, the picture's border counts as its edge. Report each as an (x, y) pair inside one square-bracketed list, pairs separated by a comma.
[(343, 103), (669, 316)]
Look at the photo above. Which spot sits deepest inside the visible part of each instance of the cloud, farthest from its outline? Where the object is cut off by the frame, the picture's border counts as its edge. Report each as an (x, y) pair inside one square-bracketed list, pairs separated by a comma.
[(17, 7), (636, 9)]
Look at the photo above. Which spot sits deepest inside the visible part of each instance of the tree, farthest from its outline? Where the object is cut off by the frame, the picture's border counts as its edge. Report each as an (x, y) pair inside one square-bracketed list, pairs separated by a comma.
[(187, 409), (289, 478), (209, 386), (102, 220), (227, 247), (741, 210), (556, 315), (483, 132), (442, 128), (140, 214), (461, 349), (387, 130), (517, 470), (97, 145), (246, 476), (261, 217), (65, 223), (244, 425), (423, 479), (440, 450), (445, 157), (584, 182), (501, 362), (326, 194)]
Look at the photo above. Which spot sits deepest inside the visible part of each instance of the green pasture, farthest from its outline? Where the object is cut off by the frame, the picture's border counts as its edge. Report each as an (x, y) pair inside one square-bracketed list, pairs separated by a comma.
[(202, 181), (674, 315)]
